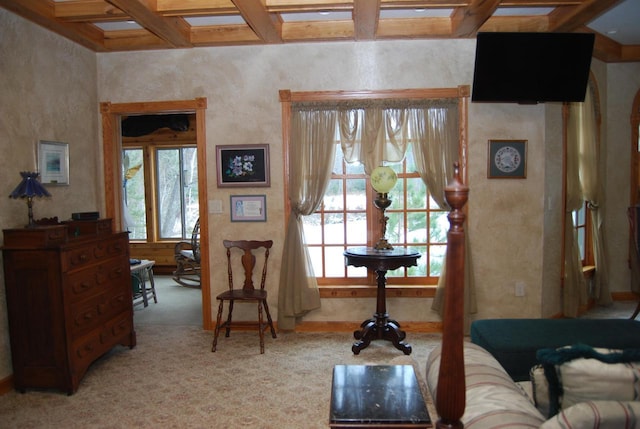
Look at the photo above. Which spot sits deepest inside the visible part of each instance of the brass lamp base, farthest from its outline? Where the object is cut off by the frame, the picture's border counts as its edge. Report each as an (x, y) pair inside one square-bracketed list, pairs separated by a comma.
[(382, 202), (383, 244)]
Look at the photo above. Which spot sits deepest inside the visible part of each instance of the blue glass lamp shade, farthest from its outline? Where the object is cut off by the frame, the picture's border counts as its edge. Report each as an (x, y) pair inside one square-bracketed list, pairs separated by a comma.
[(29, 188)]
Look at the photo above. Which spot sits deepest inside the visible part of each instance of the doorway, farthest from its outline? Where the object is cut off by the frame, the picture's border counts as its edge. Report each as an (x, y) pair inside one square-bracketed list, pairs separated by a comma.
[(112, 115)]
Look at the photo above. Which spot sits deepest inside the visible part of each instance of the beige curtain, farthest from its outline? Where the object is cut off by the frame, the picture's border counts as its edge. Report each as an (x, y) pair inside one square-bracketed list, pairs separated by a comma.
[(311, 155), (372, 135), (592, 191), (435, 149), (575, 289)]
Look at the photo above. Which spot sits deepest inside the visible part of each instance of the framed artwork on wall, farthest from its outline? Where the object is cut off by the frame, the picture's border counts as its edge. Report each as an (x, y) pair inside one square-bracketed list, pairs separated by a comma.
[(248, 208), (53, 162), (507, 159), (242, 165)]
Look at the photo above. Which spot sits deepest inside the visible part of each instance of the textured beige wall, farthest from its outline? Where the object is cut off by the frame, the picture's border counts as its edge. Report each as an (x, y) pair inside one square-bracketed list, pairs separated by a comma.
[(622, 85), (48, 89), (241, 85), (47, 92)]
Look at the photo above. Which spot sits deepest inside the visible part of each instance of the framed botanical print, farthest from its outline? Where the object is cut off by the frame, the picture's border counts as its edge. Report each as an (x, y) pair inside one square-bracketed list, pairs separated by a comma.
[(243, 165)]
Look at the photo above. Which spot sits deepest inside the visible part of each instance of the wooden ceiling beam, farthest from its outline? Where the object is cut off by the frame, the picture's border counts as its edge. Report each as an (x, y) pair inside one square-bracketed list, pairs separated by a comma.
[(268, 27), (195, 7), (570, 18), (366, 14), (466, 21), (174, 30), (88, 10), (41, 12)]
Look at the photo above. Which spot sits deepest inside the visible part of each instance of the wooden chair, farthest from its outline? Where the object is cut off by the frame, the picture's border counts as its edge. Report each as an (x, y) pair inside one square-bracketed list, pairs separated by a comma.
[(248, 293), (187, 257)]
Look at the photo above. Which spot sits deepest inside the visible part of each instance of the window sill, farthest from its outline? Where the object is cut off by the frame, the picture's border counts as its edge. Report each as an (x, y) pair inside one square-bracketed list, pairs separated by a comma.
[(588, 271), (372, 291)]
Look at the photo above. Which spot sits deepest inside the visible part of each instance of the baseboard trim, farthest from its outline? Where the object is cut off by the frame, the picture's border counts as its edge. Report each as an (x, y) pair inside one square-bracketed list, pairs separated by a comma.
[(6, 385), (310, 326)]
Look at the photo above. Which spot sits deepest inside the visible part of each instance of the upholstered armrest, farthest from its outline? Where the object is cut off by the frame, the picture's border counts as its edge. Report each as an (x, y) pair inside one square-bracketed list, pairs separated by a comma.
[(493, 399)]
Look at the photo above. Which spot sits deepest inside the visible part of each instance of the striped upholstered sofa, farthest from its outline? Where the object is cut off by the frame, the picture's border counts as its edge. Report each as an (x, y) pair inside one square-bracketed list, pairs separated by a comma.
[(494, 400)]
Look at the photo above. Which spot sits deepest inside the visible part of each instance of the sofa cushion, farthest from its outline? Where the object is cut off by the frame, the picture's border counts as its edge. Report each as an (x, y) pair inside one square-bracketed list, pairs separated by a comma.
[(579, 373), (597, 415), (493, 399)]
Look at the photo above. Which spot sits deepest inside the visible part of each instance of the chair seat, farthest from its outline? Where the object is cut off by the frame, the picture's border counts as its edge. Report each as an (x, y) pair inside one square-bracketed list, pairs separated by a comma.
[(241, 294), (187, 253)]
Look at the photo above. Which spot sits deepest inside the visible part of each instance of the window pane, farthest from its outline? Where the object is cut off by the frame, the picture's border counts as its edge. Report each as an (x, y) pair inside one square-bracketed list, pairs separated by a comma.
[(333, 197), (334, 261), (357, 229), (170, 203), (416, 191), (134, 194), (334, 229), (312, 229), (436, 259), (190, 190), (315, 253), (417, 228), (356, 194), (421, 269), (438, 228)]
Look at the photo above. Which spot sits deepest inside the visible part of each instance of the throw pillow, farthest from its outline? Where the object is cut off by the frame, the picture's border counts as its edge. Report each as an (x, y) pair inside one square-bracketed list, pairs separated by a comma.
[(578, 373)]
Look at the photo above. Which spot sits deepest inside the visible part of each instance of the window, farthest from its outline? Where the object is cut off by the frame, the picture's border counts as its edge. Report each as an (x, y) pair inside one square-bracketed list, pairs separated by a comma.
[(582, 225), (164, 178), (348, 218)]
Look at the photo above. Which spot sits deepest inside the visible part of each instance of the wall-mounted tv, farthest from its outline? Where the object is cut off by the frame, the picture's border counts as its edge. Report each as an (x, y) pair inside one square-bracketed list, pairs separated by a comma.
[(531, 68)]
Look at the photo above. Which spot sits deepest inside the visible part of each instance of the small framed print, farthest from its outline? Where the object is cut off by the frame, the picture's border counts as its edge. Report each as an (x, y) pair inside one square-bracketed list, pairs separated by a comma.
[(53, 162), (243, 166), (248, 208), (507, 159)]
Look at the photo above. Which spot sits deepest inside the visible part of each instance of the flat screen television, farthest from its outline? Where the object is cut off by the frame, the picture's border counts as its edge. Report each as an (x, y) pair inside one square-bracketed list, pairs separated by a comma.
[(531, 68)]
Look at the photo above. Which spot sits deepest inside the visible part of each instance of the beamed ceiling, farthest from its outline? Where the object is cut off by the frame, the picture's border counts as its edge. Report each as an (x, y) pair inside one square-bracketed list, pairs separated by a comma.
[(129, 25)]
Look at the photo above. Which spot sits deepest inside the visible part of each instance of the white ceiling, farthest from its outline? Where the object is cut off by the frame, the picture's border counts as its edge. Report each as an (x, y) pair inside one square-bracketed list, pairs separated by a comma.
[(621, 23)]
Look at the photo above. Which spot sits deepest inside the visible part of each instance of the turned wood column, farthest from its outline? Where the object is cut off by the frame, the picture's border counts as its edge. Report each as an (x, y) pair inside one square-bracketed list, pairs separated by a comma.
[(451, 379)]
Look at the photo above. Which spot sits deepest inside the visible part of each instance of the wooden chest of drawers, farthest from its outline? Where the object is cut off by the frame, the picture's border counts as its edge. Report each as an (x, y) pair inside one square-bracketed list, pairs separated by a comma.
[(68, 300)]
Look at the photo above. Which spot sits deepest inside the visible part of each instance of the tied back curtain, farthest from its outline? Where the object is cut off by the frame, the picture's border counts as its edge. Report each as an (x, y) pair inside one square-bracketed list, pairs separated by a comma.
[(371, 132), (583, 183), (311, 157)]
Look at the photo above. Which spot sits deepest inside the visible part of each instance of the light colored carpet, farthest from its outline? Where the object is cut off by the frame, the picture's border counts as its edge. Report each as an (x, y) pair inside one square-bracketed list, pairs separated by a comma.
[(172, 380)]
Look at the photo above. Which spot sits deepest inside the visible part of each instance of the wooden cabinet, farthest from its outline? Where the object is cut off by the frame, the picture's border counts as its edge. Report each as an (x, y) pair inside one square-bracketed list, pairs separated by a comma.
[(69, 300)]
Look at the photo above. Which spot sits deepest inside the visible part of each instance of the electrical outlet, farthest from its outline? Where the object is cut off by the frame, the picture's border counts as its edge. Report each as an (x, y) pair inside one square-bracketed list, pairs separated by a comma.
[(519, 288)]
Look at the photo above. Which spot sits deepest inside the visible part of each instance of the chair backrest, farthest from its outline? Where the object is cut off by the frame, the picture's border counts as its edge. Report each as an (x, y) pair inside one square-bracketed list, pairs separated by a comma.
[(248, 260), (195, 241)]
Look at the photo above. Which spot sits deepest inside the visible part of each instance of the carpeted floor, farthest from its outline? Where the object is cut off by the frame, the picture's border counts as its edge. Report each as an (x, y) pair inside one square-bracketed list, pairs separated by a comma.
[(172, 380)]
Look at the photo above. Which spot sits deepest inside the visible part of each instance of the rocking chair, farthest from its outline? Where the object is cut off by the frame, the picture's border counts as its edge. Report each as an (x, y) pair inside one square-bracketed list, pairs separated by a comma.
[(187, 257)]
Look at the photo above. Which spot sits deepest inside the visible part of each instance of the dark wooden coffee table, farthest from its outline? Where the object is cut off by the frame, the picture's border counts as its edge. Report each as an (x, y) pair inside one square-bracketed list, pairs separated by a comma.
[(366, 396)]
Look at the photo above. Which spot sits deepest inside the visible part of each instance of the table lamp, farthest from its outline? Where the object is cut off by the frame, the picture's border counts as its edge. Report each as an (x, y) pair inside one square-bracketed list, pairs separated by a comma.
[(29, 188), (383, 179)]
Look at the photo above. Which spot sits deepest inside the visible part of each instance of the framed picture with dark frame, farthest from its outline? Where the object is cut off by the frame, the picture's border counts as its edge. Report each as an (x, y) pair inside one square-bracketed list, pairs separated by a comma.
[(507, 159), (248, 208), (242, 165), (53, 162)]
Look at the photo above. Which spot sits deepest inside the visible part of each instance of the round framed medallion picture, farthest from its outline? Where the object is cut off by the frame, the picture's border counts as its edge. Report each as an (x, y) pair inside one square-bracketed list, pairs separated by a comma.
[(507, 159)]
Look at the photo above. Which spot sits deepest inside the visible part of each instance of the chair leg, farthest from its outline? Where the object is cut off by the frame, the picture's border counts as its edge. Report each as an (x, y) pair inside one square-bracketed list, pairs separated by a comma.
[(266, 309), (217, 330), (260, 325), (228, 324)]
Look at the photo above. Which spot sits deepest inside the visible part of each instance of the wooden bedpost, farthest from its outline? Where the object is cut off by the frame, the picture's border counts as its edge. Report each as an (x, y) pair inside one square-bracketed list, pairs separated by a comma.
[(451, 379)]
